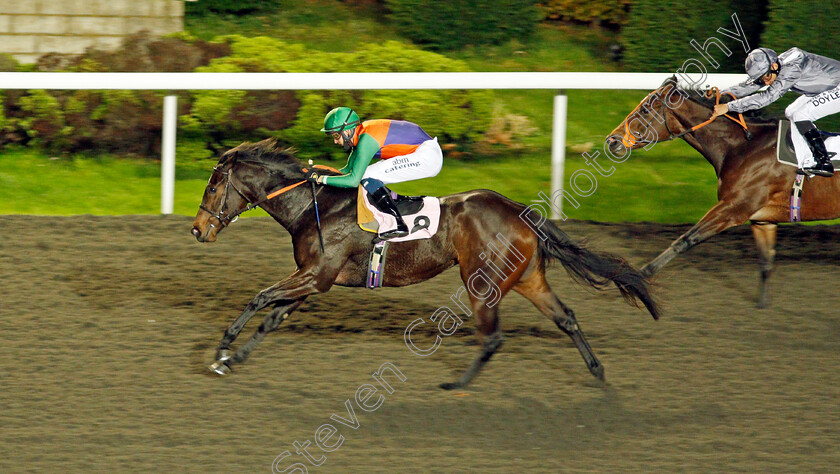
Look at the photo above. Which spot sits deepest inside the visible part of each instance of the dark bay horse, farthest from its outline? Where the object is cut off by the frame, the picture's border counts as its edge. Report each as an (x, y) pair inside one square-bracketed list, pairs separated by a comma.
[(246, 175), (752, 185)]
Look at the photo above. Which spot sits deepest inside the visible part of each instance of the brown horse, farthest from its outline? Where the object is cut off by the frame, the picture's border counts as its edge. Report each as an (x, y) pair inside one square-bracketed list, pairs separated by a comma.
[(752, 184), (251, 174)]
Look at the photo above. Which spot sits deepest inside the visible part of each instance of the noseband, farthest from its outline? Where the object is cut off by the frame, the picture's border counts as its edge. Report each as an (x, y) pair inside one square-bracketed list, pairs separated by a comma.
[(225, 220)]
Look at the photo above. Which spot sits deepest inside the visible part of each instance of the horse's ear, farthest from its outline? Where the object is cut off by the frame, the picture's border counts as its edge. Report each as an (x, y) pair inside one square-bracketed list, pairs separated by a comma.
[(229, 156)]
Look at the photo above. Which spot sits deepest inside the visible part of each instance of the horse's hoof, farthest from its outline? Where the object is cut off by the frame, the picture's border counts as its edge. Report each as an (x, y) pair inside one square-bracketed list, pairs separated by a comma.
[(224, 354), (598, 372), (220, 367), (451, 385)]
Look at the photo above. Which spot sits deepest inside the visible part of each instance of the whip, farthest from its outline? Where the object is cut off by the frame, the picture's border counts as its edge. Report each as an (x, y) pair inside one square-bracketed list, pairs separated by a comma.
[(317, 215)]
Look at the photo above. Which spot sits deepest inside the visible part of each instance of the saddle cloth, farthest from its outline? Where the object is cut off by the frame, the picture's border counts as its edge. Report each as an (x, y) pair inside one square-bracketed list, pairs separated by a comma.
[(784, 145), (421, 215)]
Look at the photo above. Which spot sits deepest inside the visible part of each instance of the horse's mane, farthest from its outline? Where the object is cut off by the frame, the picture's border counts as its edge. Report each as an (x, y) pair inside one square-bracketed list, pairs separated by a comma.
[(269, 153), (699, 97)]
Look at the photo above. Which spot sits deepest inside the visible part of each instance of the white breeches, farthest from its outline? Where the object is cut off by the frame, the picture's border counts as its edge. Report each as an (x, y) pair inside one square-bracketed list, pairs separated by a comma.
[(425, 162), (810, 109)]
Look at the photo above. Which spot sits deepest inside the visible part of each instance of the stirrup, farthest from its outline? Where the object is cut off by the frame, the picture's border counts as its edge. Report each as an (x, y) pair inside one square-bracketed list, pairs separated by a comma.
[(824, 169), (391, 234)]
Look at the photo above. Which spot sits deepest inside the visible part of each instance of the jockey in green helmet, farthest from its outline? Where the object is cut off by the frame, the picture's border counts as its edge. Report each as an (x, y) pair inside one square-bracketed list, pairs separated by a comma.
[(405, 151), (343, 121)]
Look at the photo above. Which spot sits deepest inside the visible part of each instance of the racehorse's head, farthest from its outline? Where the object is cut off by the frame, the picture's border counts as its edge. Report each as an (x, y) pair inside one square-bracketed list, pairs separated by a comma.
[(650, 122), (242, 180), (223, 200)]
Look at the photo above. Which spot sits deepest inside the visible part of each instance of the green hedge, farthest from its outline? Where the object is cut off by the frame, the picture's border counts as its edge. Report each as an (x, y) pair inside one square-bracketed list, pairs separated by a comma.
[(129, 122), (459, 117), (657, 34), (806, 24), (453, 24)]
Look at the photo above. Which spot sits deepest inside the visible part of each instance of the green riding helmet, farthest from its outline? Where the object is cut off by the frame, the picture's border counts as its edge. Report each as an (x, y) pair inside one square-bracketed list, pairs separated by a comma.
[(342, 120)]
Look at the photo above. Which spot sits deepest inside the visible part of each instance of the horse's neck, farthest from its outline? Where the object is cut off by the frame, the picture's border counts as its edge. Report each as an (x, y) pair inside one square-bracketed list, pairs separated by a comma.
[(717, 140), (707, 145), (295, 209)]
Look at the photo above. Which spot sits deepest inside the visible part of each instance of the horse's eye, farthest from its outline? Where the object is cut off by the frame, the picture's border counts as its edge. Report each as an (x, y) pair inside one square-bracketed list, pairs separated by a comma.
[(212, 190)]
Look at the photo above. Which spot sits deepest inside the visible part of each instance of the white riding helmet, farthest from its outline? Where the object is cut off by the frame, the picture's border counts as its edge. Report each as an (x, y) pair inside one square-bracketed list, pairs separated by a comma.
[(759, 62)]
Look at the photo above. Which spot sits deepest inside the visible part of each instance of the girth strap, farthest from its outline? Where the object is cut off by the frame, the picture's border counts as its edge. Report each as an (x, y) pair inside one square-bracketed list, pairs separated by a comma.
[(796, 198), (377, 265)]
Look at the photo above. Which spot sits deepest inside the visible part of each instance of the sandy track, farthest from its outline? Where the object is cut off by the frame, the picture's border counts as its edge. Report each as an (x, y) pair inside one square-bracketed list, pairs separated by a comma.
[(110, 322)]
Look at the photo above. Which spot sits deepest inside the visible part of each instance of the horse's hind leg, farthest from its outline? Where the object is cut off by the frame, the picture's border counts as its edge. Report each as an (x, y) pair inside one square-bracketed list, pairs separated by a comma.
[(765, 240), (721, 216), (491, 340), (536, 289)]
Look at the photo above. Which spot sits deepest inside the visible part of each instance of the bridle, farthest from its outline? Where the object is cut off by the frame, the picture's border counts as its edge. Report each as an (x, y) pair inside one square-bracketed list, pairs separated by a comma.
[(226, 220), (630, 138)]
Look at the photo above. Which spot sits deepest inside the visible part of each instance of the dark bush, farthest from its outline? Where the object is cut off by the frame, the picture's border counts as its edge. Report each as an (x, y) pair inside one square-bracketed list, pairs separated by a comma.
[(657, 35), (806, 24), (373, 6), (451, 25), (233, 7), (115, 121), (600, 12), (140, 53)]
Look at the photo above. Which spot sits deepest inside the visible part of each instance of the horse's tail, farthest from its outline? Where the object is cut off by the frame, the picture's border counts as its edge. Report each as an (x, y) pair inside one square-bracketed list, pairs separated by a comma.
[(595, 268)]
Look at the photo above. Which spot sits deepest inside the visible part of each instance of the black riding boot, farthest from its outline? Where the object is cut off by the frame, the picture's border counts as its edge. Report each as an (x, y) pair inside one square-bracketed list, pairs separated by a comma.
[(381, 198), (817, 146)]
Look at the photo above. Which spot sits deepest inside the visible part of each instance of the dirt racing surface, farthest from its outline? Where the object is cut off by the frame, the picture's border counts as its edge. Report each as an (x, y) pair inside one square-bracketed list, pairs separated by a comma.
[(109, 324)]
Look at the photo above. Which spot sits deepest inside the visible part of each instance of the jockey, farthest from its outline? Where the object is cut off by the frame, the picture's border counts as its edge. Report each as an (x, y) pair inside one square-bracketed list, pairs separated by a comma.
[(815, 77), (405, 151)]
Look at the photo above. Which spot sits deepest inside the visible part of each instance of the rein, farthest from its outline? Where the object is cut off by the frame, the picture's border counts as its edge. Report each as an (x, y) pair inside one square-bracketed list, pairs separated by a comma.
[(629, 140), (226, 220)]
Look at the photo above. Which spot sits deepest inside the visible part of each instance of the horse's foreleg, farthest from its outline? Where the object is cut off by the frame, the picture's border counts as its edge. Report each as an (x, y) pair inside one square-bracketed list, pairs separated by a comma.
[(223, 352), (259, 302), (765, 239), (285, 296), (720, 217), (270, 323)]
